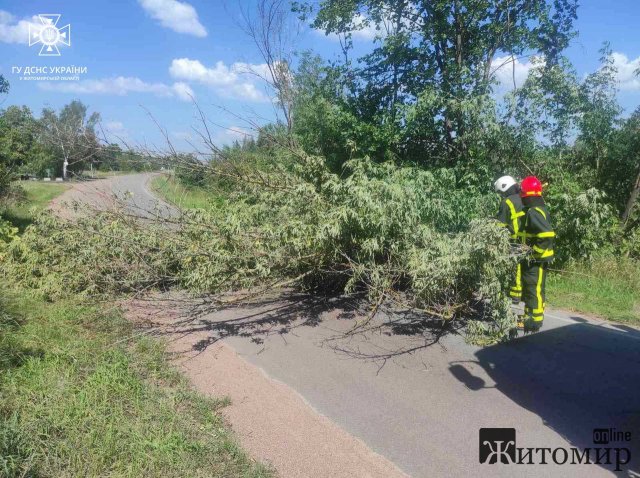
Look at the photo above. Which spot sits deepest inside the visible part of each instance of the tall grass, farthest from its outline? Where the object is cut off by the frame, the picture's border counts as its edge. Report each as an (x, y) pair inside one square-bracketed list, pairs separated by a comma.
[(608, 287), (35, 197), (184, 196), (76, 401)]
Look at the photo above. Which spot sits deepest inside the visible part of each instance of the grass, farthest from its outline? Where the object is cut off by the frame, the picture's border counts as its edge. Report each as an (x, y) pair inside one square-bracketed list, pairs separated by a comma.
[(37, 195), (609, 288), (76, 400), (82, 395), (183, 196), (99, 174)]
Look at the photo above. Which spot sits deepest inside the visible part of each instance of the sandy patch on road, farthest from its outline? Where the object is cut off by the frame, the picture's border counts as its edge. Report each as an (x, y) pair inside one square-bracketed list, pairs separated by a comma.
[(126, 192), (272, 421), (88, 195)]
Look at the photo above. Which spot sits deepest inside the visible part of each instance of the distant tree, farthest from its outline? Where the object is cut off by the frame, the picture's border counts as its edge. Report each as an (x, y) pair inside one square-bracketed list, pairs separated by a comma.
[(19, 146), (4, 85), (70, 135), (109, 157)]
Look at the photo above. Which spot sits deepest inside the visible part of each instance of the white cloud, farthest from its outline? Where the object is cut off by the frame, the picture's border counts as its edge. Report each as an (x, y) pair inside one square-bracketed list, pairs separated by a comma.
[(12, 31), (361, 32), (627, 77), (505, 70), (236, 81), (121, 86), (183, 91), (178, 16), (115, 131), (114, 126)]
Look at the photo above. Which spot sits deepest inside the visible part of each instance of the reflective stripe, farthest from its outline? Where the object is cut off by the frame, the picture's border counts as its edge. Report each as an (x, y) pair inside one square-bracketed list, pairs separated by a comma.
[(539, 235), (516, 290), (546, 254), (541, 212), (533, 193), (514, 217), (539, 291), (542, 253), (535, 317)]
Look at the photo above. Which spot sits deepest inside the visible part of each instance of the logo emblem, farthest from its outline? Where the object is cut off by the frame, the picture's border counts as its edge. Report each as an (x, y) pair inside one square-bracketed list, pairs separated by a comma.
[(49, 35), (498, 445)]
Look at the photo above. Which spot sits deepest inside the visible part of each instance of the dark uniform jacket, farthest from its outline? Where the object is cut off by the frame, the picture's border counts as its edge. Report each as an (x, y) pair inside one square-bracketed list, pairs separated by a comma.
[(511, 214), (538, 232)]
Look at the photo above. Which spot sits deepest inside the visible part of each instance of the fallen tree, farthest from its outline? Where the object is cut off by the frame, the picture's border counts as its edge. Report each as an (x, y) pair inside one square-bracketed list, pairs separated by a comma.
[(395, 234)]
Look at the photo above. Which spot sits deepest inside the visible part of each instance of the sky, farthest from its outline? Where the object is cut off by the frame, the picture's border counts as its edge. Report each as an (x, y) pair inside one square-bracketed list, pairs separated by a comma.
[(147, 60)]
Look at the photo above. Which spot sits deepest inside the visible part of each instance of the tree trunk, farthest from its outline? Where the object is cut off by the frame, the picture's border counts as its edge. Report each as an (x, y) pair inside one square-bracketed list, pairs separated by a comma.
[(633, 197)]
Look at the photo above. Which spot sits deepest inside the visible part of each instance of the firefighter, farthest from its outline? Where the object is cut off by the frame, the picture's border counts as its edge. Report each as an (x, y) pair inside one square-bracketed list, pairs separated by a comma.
[(538, 234), (511, 216)]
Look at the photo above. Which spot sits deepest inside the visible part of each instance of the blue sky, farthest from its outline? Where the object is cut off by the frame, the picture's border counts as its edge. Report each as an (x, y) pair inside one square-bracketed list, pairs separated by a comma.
[(149, 56)]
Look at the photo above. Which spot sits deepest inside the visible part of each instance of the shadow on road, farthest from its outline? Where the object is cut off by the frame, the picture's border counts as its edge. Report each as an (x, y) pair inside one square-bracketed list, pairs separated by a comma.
[(255, 320), (576, 378), (390, 334)]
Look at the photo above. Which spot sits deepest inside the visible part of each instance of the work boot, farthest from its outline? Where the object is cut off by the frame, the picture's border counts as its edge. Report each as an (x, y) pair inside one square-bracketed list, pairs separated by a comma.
[(531, 326), (521, 322)]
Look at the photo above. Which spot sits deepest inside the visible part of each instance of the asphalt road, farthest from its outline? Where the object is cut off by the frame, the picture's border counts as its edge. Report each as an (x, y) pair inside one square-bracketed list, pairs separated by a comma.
[(420, 402), (131, 191), (423, 409)]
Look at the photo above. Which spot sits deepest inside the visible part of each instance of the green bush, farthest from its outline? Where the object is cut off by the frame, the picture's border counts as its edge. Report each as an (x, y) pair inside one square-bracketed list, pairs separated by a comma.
[(189, 170), (583, 220), (631, 243), (7, 231), (98, 255)]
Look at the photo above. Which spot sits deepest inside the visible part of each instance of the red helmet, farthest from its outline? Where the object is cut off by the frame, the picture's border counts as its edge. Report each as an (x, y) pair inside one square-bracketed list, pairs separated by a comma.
[(531, 186)]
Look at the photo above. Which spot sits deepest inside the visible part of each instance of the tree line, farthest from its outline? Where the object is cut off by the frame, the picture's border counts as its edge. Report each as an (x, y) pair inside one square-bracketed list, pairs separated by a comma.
[(33, 146)]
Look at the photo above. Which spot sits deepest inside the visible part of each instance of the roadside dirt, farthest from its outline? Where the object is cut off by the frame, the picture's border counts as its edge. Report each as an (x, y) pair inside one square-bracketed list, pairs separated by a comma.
[(91, 194)]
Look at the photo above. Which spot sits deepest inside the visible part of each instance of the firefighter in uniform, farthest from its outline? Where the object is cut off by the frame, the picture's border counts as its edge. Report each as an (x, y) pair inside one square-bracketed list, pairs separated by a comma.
[(511, 216), (538, 234)]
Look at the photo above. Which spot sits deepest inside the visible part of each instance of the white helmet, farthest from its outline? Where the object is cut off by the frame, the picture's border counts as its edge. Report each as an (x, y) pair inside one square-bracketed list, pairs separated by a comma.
[(504, 183)]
